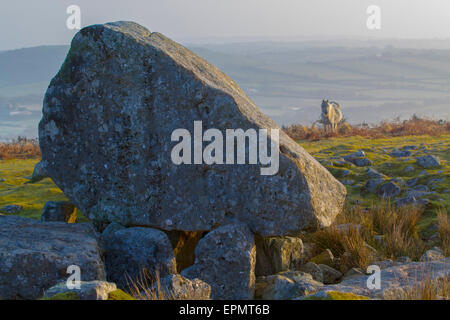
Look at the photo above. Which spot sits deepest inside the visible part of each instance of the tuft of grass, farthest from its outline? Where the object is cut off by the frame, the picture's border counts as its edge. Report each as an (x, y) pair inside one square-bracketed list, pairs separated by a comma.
[(147, 286), (354, 245)]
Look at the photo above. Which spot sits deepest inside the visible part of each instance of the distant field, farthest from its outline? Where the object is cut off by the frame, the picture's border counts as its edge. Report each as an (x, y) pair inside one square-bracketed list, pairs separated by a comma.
[(15, 173)]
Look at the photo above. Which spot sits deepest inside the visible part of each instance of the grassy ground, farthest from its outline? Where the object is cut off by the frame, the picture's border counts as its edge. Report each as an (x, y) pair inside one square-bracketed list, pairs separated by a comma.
[(378, 151), (16, 189)]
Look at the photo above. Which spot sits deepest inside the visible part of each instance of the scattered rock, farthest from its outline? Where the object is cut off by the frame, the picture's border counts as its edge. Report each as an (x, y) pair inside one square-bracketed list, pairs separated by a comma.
[(122, 103), (410, 147), (388, 190), (39, 172), (276, 254), (330, 275), (432, 255), (363, 162), (314, 270), (374, 174), (177, 287), (286, 286), (131, 252), (347, 182), (346, 173), (400, 154), (225, 259), (428, 161), (61, 211), (409, 169), (89, 290), (372, 184), (11, 209), (34, 255), (353, 272), (412, 182), (326, 257)]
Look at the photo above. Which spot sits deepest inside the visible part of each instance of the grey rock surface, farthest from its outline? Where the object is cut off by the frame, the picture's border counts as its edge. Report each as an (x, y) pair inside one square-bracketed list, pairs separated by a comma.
[(395, 280), (277, 254), (428, 161), (389, 190), (225, 259), (134, 253), (39, 172), (177, 287), (286, 286), (113, 107), (89, 290), (59, 211), (35, 256)]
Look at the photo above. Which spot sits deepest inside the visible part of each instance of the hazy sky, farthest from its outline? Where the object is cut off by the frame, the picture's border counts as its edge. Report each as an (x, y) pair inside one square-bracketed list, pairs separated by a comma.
[(29, 23)]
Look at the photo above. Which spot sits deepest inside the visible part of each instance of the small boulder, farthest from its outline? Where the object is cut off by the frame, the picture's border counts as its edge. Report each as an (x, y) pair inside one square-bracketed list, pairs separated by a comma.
[(434, 254), (326, 257), (400, 154), (89, 290), (110, 230), (330, 275), (409, 169), (428, 161), (225, 259), (134, 253), (374, 174), (314, 270), (276, 254), (39, 172), (177, 287), (286, 286), (388, 190), (61, 211), (371, 185)]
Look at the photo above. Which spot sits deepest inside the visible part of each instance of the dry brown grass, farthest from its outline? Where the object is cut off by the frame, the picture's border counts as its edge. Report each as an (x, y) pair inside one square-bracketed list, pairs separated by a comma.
[(21, 148), (398, 228), (148, 287), (444, 232), (394, 128)]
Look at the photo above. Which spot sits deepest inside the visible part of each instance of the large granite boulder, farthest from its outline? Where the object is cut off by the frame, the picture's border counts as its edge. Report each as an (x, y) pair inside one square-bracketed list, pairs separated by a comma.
[(225, 259), (134, 254), (106, 139), (35, 256)]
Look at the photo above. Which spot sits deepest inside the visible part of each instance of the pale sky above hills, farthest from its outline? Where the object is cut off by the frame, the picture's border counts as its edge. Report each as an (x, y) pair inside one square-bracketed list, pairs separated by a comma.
[(25, 23)]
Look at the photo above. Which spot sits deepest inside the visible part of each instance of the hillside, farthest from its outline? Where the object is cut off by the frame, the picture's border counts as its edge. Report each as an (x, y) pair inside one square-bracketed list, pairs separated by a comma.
[(286, 80)]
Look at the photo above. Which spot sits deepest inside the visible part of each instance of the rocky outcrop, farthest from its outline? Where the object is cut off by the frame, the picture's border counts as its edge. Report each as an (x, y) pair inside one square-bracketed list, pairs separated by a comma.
[(225, 259), (133, 254), (105, 135), (35, 256)]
